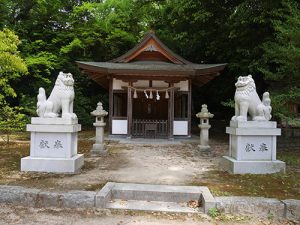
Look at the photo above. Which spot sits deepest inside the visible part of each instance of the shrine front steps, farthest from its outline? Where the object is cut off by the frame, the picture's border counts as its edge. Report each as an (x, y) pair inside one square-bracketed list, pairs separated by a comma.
[(146, 197)]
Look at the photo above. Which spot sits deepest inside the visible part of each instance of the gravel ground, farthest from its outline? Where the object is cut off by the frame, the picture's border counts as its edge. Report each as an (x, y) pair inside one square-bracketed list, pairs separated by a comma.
[(47, 216), (173, 164)]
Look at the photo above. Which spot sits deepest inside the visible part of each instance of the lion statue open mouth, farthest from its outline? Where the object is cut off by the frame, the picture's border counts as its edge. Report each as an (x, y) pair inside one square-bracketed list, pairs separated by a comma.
[(247, 100), (60, 100)]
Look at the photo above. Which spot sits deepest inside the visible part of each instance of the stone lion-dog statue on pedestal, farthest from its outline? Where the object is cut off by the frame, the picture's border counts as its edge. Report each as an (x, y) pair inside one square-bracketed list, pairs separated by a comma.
[(247, 100), (60, 100)]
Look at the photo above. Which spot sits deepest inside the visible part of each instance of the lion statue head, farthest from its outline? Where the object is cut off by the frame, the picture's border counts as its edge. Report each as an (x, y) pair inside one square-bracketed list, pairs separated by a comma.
[(64, 79), (245, 83)]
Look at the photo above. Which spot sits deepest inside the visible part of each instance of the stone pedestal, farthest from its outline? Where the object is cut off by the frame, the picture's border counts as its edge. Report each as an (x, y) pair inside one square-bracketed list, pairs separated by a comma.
[(53, 146), (252, 148), (99, 147), (204, 146)]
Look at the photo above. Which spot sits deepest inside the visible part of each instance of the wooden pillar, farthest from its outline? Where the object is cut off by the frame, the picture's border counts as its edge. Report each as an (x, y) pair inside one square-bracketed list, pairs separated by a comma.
[(171, 111), (189, 107), (111, 104), (129, 110)]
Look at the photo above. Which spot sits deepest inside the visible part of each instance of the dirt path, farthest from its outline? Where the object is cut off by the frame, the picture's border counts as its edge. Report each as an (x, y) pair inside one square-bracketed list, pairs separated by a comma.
[(139, 163)]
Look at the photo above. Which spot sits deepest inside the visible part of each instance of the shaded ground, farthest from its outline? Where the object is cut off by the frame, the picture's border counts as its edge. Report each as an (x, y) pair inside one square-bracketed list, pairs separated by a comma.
[(27, 215), (178, 164)]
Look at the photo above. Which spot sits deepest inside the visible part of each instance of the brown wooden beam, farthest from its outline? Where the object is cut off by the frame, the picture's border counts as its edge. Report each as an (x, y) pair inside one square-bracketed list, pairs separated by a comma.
[(129, 112), (127, 80), (111, 98), (171, 111), (151, 77), (189, 112)]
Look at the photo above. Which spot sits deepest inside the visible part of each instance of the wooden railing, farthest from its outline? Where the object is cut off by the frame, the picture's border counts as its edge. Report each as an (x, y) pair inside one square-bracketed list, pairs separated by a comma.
[(149, 128)]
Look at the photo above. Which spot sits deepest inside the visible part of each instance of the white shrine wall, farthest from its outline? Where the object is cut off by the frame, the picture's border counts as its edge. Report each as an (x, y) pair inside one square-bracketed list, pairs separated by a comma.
[(160, 84), (119, 127), (183, 85), (118, 84), (141, 83), (180, 128)]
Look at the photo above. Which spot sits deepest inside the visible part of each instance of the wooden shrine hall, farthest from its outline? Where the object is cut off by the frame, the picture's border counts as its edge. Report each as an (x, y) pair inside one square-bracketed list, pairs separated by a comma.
[(150, 89)]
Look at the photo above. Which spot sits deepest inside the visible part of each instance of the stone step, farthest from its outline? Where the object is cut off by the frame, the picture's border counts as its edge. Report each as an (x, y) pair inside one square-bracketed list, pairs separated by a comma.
[(147, 192), (162, 195), (151, 206)]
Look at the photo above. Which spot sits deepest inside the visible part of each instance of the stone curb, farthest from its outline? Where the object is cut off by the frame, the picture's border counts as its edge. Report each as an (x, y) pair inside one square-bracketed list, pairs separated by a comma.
[(289, 208), (39, 198)]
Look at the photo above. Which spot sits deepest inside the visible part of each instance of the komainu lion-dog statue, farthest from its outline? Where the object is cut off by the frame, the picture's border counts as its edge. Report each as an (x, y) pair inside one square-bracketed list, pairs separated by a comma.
[(247, 100), (60, 100)]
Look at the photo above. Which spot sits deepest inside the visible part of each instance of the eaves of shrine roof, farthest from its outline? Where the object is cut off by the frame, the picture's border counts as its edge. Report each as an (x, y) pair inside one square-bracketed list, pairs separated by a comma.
[(147, 67)]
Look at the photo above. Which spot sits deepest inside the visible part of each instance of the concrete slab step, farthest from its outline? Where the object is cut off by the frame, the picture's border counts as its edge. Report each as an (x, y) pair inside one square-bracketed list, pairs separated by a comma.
[(151, 206), (154, 197), (148, 192)]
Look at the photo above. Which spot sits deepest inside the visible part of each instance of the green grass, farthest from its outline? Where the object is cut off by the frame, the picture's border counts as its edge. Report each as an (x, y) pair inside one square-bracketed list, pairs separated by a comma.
[(213, 212), (19, 136), (291, 158), (279, 185)]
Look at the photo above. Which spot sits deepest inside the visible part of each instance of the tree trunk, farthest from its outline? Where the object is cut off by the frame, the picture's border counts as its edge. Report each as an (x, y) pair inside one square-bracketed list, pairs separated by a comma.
[(7, 138)]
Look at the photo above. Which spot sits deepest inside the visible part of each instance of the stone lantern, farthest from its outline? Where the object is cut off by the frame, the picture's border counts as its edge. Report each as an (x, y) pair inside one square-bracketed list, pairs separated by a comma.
[(99, 113), (204, 126)]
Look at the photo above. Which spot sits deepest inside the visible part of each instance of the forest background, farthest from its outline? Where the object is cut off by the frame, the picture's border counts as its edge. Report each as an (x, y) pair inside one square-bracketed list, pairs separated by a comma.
[(39, 38)]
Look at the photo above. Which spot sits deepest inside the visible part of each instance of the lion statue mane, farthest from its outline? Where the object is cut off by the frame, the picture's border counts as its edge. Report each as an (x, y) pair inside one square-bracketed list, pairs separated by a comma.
[(60, 100), (247, 100)]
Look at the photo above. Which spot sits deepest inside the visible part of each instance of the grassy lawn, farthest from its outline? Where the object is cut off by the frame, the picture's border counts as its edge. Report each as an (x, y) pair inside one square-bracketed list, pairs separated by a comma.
[(10, 162), (279, 185)]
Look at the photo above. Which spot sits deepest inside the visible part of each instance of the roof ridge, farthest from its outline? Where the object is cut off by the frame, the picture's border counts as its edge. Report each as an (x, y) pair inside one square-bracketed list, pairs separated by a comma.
[(146, 38)]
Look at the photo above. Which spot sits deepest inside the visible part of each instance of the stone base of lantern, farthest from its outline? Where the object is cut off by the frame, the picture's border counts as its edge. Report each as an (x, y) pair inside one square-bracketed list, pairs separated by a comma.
[(205, 150), (99, 149), (203, 147)]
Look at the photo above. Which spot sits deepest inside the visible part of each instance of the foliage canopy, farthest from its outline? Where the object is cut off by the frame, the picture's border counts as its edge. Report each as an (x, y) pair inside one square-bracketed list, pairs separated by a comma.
[(252, 36)]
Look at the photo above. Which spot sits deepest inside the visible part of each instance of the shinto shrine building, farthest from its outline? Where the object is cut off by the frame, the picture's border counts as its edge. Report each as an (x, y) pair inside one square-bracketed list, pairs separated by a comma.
[(150, 89)]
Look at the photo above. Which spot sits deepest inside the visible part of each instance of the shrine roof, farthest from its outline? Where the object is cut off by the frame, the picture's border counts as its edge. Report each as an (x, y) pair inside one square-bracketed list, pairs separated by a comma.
[(150, 59), (143, 66)]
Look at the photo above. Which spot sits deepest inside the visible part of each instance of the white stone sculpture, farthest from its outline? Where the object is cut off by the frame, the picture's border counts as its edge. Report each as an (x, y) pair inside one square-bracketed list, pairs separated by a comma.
[(60, 100), (252, 144), (53, 141), (204, 126), (99, 113), (247, 100)]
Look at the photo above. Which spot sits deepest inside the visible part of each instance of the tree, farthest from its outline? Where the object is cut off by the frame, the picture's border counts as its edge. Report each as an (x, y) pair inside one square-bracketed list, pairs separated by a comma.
[(281, 61), (11, 120), (252, 36), (56, 33), (12, 66)]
